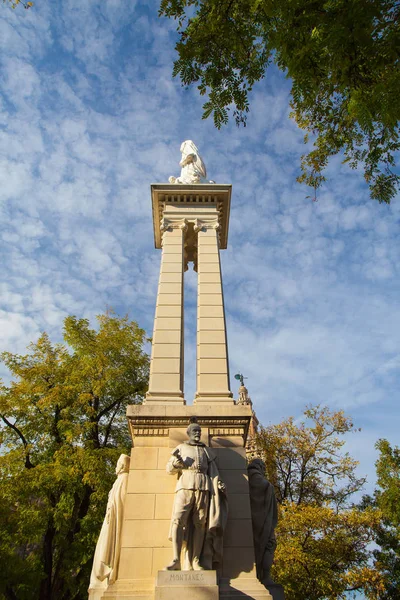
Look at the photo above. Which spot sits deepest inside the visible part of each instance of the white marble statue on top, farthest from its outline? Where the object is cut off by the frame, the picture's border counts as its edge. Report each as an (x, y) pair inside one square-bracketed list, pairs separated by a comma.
[(193, 169), (106, 556)]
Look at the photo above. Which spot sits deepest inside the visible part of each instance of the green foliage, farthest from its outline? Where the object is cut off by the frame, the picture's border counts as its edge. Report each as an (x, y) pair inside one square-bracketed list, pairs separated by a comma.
[(323, 542), (341, 55), (323, 553), (304, 459), (15, 3), (387, 499), (63, 427)]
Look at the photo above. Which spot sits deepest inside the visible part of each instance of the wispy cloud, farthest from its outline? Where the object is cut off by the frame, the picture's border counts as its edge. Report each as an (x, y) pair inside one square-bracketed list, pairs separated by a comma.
[(89, 117)]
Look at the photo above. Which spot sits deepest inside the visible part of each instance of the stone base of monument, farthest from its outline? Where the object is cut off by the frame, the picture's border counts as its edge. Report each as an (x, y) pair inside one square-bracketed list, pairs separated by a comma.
[(276, 591), (96, 594), (183, 585), (242, 588), (130, 589), (188, 585)]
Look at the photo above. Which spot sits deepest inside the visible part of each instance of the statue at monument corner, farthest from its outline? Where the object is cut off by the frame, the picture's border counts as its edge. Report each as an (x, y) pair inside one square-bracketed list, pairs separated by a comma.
[(264, 516), (106, 556), (193, 169), (200, 508)]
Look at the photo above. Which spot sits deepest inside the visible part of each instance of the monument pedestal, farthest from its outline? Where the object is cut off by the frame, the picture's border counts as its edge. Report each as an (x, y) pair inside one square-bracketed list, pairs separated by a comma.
[(145, 547), (243, 588), (186, 585)]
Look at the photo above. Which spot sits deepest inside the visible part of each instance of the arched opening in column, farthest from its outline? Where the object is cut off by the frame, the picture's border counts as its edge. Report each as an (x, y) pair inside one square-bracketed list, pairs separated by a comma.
[(190, 328)]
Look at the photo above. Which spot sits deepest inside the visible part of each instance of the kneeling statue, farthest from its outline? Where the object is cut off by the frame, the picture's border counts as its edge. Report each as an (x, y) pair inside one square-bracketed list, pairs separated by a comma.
[(264, 514)]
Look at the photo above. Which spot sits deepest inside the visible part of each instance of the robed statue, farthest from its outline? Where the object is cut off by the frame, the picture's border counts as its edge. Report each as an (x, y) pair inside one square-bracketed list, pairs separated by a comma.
[(264, 515), (193, 169), (106, 556), (200, 508)]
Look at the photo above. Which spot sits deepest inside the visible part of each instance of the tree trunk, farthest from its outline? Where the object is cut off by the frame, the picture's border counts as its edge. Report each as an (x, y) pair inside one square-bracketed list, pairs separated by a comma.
[(10, 594), (45, 585)]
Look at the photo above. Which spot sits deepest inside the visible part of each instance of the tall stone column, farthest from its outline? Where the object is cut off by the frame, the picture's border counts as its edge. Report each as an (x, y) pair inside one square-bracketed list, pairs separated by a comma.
[(166, 367), (159, 424), (212, 349)]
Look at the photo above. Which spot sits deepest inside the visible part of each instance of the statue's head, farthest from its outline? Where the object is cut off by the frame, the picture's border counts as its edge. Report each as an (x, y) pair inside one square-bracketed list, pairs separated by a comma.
[(257, 464), (189, 147), (122, 464), (194, 432)]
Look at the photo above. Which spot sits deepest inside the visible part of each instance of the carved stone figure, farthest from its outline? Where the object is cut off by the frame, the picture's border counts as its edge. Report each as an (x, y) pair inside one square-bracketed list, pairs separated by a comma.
[(200, 508), (264, 514), (193, 169), (106, 557)]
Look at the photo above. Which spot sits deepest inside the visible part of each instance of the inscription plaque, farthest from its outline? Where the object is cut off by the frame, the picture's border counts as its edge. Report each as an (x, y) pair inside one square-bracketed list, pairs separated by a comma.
[(186, 578)]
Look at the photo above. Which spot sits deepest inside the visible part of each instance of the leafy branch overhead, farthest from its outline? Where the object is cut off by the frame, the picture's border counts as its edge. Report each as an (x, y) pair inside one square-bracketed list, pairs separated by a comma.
[(15, 3), (342, 57)]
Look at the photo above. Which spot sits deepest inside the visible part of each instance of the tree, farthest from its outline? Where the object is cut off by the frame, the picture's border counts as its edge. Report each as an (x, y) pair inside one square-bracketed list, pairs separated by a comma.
[(323, 542), (387, 499), (63, 427), (342, 57), (14, 3)]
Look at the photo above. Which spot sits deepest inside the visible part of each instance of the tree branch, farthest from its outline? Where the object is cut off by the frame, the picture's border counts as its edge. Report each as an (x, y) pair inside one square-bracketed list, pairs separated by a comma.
[(108, 408), (108, 428), (12, 426)]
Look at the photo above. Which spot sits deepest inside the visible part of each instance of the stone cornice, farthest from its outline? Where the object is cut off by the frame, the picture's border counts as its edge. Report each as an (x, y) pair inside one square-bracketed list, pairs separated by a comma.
[(222, 421), (188, 198)]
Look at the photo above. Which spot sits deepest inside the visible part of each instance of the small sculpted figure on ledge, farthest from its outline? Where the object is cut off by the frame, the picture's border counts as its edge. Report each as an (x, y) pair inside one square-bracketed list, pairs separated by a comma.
[(106, 556), (264, 514), (200, 508), (193, 169)]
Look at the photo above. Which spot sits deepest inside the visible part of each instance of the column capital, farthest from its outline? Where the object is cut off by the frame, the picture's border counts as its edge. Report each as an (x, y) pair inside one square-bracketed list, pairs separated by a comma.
[(197, 225), (205, 224), (205, 202), (167, 224), (183, 225), (164, 224)]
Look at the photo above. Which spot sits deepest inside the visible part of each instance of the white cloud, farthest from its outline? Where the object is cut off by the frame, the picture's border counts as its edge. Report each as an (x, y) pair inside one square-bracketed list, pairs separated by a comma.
[(90, 117)]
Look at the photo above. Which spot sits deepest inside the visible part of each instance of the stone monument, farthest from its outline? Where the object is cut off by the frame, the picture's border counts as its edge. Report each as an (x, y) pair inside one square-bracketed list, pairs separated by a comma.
[(161, 515)]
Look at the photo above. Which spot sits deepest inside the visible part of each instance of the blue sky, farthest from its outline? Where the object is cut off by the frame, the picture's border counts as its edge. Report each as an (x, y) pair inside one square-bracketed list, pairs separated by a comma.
[(89, 118)]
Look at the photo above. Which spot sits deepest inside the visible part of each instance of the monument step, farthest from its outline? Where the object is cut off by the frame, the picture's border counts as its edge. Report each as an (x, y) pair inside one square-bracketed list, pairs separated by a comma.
[(242, 588), (130, 589)]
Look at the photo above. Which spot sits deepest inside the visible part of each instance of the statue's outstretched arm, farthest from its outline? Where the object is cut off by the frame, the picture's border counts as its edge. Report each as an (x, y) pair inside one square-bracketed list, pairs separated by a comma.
[(187, 160)]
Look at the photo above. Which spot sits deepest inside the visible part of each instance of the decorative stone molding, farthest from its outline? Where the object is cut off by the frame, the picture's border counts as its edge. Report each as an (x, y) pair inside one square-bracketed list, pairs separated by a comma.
[(141, 431), (184, 225), (164, 225), (167, 224), (197, 225), (227, 431), (160, 426), (210, 199)]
